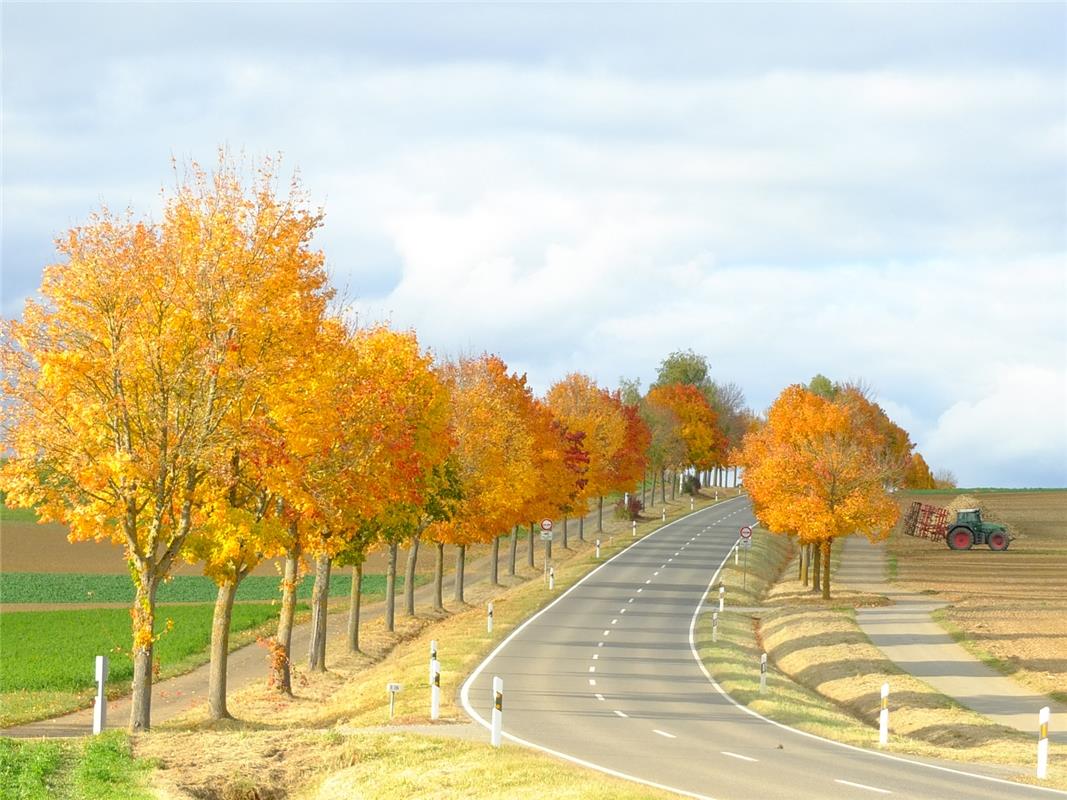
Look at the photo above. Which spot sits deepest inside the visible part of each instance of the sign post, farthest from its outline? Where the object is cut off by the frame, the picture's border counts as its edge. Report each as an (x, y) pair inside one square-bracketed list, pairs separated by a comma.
[(392, 688), (746, 542), (883, 717), (1042, 743), (435, 690), (498, 710), (100, 709)]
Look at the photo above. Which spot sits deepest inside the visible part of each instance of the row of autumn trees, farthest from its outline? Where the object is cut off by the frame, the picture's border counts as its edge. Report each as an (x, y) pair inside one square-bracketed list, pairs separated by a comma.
[(823, 464), (188, 390)]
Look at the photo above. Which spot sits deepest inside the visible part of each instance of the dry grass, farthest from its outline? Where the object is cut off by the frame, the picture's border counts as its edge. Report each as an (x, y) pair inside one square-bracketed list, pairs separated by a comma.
[(316, 744), (1010, 608)]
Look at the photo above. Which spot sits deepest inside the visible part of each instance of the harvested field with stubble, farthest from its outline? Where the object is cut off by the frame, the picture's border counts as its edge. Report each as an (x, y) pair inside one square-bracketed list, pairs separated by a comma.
[(1010, 608)]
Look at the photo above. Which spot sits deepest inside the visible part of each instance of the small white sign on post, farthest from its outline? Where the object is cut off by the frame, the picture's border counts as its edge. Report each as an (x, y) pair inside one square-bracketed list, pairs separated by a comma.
[(883, 717), (100, 707), (1042, 743), (392, 688), (763, 673), (498, 710), (546, 536), (489, 618), (435, 690)]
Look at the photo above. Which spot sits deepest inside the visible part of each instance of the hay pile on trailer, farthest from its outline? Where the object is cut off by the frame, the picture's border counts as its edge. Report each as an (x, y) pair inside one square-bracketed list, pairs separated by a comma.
[(990, 512)]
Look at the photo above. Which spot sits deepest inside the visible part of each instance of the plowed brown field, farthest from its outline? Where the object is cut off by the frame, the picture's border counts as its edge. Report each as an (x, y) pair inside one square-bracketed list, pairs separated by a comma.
[(1010, 607)]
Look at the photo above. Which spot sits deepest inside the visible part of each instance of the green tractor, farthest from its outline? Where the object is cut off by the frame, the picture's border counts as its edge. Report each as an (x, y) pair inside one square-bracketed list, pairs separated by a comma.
[(969, 530)]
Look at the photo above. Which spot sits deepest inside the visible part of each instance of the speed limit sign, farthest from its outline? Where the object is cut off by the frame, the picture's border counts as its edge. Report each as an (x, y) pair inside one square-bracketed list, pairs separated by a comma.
[(746, 532), (546, 524)]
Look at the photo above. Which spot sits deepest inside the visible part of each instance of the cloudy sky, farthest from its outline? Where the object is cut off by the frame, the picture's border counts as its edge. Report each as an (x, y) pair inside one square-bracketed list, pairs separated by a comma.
[(873, 192)]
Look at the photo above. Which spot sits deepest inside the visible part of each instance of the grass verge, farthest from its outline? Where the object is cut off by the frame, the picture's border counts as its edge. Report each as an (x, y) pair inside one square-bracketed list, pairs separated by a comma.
[(825, 676), (97, 768), (47, 657)]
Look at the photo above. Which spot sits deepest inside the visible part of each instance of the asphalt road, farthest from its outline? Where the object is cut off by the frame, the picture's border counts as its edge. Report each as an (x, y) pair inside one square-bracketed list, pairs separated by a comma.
[(606, 677)]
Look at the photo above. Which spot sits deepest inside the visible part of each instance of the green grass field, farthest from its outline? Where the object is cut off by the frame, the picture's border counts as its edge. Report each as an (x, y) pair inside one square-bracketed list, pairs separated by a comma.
[(39, 587), (96, 768), (47, 657), (55, 650)]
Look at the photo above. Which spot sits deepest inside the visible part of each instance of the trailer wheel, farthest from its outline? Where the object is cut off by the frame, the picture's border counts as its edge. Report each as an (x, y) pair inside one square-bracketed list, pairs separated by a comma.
[(998, 541), (960, 539)]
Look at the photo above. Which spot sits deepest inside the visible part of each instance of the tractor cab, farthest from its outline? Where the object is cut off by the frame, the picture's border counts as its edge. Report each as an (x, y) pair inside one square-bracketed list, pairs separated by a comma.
[(969, 516), (969, 530)]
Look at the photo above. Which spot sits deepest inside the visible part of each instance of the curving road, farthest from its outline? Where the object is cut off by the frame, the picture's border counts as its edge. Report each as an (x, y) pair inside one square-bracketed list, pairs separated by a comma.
[(606, 676)]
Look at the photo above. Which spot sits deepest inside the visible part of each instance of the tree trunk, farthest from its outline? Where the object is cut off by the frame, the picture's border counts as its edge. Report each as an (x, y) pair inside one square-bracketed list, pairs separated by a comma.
[(409, 577), (600, 515), (815, 568), (663, 486), (826, 545), (800, 563), (653, 495), (581, 529), (356, 599), (494, 562), (564, 537), (530, 548), (319, 600), (514, 550), (282, 678), (144, 617), (220, 650), (804, 559), (439, 577), (644, 487), (390, 589), (461, 554)]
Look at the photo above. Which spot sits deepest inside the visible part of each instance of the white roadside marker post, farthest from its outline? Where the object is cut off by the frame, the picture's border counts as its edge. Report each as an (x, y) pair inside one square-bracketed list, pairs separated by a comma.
[(1042, 743), (715, 626), (716, 495), (633, 529), (100, 709), (489, 619), (433, 656), (722, 597), (883, 717), (498, 710), (597, 549), (737, 547), (551, 579), (690, 503), (763, 673), (664, 514), (435, 690)]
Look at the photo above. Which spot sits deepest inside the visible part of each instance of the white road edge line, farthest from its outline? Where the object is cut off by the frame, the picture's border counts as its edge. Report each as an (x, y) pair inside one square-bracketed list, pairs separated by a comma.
[(664, 733), (464, 694), (737, 755), (784, 727), (863, 786)]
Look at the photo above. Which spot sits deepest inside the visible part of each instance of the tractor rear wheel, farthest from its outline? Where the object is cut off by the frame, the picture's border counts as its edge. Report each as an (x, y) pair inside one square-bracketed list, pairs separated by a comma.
[(998, 541), (960, 539)]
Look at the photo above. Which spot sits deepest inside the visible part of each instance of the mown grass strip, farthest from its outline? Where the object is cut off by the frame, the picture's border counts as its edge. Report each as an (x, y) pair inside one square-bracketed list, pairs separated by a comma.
[(39, 587)]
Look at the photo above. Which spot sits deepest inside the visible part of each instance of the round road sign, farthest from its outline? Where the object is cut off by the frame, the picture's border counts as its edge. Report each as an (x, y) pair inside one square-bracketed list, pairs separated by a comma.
[(546, 524), (746, 532)]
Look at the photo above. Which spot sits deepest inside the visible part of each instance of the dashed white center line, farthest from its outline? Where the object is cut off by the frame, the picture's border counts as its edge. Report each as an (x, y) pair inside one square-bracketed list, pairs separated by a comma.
[(592, 669), (661, 566), (669, 560), (621, 713), (615, 621), (598, 696), (863, 786), (640, 590), (599, 644), (676, 553), (664, 733), (647, 582), (607, 633), (596, 656), (735, 755), (630, 600), (592, 682)]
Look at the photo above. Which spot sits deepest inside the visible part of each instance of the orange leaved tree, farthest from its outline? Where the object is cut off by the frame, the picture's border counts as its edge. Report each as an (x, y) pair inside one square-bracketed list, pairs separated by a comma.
[(122, 387), (815, 469), (492, 455), (698, 424)]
